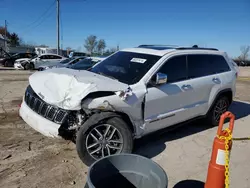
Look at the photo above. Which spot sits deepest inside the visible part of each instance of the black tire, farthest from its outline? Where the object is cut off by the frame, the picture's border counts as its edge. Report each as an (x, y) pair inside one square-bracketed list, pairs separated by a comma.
[(213, 116), (40, 69), (26, 66), (8, 63), (115, 122), (29, 66)]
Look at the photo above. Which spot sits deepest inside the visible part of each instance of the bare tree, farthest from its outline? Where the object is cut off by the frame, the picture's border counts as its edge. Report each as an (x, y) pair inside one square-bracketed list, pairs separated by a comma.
[(90, 43), (244, 52), (14, 39), (101, 46)]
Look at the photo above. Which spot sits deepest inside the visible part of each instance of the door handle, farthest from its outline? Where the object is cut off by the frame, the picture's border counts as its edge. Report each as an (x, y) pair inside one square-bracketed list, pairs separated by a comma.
[(186, 86), (216, 79)]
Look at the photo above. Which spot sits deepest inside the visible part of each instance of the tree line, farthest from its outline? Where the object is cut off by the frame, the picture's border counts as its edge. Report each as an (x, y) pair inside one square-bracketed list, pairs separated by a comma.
[(12, 38), (97, 47), (91, 43)]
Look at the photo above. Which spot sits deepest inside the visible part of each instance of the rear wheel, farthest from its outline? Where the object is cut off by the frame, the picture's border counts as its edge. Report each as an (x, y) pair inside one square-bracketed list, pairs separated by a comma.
[(112, 136), (221, 106), (8, 63)]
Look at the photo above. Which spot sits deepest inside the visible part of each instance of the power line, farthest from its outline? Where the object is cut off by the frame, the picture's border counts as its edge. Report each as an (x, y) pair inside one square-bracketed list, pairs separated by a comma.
[(41, 17), (34, 27)]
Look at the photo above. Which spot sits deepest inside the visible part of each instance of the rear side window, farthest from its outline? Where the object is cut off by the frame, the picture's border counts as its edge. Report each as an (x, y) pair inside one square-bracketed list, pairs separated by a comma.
[(205, 65), (175, 68), (220, 64)]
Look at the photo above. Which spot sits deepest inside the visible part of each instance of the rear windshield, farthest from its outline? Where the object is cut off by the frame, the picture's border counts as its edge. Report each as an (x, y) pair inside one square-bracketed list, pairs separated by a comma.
[(127, 67)]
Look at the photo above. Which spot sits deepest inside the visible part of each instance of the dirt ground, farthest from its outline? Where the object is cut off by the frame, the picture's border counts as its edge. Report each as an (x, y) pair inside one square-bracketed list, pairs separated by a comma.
[(28, 159)]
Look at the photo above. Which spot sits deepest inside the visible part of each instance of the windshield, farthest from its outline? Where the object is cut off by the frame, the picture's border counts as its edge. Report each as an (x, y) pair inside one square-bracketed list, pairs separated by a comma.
[(66, 60), (127, 67), (84, 64)]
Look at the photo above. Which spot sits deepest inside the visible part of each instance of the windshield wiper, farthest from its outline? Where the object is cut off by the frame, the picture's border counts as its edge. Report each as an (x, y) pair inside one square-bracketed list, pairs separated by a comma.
[(107, 76)]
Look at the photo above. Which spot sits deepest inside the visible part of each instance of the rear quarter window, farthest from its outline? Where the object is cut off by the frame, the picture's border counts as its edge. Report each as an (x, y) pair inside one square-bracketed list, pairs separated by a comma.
[(204, 65), (219, 63)]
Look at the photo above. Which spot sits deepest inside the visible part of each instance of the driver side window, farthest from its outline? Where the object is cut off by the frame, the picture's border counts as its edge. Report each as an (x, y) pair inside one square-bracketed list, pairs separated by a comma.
[(175, 68)]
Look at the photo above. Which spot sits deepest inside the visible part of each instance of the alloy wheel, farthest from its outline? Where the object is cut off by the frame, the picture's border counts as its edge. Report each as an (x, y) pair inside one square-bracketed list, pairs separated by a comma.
[(220, 108), (104, 140)]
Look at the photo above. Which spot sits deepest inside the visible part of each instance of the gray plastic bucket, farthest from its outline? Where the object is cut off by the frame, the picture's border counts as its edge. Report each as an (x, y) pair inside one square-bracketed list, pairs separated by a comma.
[(126, 171)]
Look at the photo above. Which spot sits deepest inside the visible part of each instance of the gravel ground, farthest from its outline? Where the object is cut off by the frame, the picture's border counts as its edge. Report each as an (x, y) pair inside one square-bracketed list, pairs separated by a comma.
[(28, 159)]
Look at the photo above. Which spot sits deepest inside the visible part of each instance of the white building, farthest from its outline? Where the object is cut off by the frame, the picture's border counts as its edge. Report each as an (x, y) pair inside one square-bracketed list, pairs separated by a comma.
[(45, 50)]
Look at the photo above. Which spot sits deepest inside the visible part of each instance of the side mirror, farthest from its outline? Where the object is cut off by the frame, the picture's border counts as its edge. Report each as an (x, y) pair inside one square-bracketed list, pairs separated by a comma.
[(161, 78)]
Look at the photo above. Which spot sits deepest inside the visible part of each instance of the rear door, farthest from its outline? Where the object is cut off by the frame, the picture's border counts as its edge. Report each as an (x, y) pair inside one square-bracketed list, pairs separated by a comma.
[(205, 81), (227, 74)]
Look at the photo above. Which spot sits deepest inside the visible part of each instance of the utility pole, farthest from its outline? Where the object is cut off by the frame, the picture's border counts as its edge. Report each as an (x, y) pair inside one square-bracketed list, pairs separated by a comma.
[(5, 35), (58, 26)]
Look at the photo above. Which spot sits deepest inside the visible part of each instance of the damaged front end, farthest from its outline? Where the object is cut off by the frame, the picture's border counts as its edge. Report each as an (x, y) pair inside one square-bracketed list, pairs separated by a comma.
[(66, 99)]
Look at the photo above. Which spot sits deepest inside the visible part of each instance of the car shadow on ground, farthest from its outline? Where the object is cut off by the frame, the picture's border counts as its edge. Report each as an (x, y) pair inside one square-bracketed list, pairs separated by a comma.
[(153, 144)]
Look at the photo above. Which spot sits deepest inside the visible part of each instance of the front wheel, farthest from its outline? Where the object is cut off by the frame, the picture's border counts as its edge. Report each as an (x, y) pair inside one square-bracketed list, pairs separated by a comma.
[(112, 136)]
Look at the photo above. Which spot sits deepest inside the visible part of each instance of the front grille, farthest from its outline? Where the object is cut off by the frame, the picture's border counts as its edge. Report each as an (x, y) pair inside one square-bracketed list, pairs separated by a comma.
[(44, 109)]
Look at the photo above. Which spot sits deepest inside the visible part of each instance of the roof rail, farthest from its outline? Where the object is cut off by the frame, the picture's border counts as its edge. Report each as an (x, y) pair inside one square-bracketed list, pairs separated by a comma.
[(195, 48), (164, 47), (156, 45)]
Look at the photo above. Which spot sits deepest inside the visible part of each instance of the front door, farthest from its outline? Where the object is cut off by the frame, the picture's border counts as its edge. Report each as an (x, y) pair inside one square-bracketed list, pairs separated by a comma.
[(169, 103), (41, 60)]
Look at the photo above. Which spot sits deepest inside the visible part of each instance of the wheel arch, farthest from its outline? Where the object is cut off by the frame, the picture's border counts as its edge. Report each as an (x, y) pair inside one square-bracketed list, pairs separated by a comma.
[(102, 115), (225, 92)]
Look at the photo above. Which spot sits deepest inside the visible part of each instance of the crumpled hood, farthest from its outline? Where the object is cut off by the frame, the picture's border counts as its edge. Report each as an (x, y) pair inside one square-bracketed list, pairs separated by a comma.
[(66, 88)]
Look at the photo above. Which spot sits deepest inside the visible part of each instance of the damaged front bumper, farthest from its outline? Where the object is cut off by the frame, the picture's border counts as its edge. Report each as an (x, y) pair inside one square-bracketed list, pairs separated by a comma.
[(37, 122)]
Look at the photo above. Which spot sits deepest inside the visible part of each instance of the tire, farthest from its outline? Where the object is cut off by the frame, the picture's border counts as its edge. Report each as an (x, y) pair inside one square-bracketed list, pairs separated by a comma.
[(84, 138), (29, 66), (8, 64), (215, 113)]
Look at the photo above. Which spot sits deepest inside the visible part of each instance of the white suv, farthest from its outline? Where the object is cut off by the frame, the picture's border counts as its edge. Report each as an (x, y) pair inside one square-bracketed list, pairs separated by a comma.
[(132, 93)]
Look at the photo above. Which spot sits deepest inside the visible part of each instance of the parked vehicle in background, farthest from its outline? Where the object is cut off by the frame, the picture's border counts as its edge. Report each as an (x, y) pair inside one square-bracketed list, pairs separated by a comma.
[(42, 60), (63, 63), (128, 95), (18, 63), (9, 61), (77, 54), (242, 63), (86, 63)]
